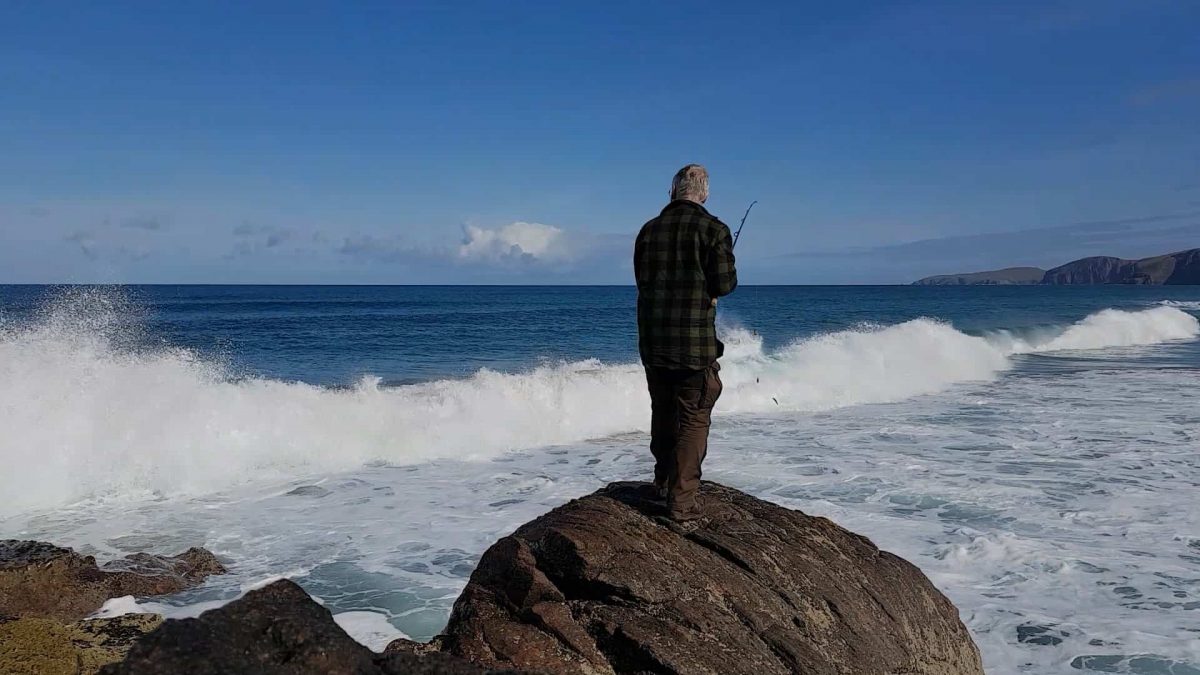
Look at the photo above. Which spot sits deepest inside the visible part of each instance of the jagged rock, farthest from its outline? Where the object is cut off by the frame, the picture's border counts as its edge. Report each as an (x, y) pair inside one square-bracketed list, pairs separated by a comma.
[(42, 580), (604, 585), (406, 646), (48, 647), (274, 630), (104, 641)]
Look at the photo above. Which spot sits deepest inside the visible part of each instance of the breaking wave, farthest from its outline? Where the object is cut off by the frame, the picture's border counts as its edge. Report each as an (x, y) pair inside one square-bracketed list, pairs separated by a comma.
[(1181, 304), (88, 414)]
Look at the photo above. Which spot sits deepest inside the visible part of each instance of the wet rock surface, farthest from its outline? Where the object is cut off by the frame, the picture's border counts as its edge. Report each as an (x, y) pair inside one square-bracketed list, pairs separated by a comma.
[(1040, 635), (41, 580), (604, 584), (277, 629)]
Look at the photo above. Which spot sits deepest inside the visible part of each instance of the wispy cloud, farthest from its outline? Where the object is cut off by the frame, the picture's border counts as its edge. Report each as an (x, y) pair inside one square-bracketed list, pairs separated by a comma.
[(99, 246), (147, 223), (371, 248), (86, 241), (119, 239), (515, 250), (250, 238)]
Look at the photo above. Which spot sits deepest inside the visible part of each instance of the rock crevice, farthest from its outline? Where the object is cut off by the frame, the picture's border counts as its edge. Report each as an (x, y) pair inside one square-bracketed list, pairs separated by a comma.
[(603, 585)]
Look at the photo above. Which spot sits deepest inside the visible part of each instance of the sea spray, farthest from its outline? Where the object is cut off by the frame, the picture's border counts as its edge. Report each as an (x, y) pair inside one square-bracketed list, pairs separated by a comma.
[(1116, 328), (91, 412)]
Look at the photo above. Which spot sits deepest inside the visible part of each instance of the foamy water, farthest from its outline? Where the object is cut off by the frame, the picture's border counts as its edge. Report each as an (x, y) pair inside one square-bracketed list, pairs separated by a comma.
[(87, 417), (1053, 503)]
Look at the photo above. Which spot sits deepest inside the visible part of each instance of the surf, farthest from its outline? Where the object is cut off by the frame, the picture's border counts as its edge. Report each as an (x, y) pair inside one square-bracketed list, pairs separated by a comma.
[(91, 411)]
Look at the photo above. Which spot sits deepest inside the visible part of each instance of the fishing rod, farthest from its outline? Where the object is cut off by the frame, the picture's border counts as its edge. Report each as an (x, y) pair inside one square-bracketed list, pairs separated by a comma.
[(735, 238), (743, 223)]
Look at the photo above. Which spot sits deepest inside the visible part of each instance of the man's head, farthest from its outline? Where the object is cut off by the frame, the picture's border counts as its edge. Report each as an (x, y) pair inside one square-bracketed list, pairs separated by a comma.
[(690, 183)]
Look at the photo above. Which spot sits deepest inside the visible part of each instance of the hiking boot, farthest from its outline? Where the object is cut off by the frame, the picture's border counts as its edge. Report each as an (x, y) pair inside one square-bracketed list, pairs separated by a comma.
[(681, 527), (660, 491), (687, 515), (653, 493)]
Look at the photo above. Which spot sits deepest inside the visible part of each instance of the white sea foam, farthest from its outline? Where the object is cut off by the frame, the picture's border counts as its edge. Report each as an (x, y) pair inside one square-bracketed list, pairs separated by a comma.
[(86, 415), (1181, 304), (1035, 503), (371, 629), (1115, 328)]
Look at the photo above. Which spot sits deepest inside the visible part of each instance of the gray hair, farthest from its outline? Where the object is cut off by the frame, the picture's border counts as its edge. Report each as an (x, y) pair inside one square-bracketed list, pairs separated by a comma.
[(691, 183)]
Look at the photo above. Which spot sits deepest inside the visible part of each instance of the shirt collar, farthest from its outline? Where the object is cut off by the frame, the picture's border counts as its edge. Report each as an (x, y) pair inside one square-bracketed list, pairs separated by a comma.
[(684, 204)]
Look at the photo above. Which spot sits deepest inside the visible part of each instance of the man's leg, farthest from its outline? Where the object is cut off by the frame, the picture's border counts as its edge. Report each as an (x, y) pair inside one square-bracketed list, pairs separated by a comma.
[(663, 424), (696, 396)]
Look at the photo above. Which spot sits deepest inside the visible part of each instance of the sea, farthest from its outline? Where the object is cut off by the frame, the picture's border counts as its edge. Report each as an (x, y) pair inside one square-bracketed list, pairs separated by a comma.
[(1034, 450)]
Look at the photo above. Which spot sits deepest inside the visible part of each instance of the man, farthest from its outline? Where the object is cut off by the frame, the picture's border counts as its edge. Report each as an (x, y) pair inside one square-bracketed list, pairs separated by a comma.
[(683, 262)]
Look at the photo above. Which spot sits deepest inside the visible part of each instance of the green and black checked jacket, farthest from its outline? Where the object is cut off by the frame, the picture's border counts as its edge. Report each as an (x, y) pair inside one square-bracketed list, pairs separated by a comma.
[(682, 260)]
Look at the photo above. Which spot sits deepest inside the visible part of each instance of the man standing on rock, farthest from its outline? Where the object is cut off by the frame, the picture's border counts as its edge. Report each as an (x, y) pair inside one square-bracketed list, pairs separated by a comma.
[(683, 262)]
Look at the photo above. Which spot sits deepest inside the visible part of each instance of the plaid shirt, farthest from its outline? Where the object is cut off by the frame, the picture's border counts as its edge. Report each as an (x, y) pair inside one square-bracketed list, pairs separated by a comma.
[(682, 260)]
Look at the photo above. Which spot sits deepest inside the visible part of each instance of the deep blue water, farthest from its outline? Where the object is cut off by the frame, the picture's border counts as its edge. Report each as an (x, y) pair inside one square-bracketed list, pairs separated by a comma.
[(333, 335)]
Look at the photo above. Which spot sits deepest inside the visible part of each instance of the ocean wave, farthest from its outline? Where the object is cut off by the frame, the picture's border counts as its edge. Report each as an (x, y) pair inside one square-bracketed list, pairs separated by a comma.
[(1181, 304), (88, 414), (1105, 329)]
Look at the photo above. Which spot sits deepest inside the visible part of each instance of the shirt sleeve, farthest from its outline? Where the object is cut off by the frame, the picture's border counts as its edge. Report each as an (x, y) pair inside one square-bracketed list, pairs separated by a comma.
[(719, 269)]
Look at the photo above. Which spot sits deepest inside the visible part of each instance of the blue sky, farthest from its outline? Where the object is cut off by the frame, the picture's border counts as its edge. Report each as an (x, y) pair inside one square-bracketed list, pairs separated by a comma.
[(525, 142)]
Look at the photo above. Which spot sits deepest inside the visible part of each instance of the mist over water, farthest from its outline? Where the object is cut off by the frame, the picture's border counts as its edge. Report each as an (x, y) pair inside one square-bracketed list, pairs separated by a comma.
[(1030, 469)]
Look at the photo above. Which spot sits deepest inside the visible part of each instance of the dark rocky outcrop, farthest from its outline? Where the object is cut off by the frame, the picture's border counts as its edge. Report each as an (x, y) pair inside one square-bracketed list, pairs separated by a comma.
[(275, 630), (40, 580), (1181, 268), (1173, 269), (45, 590), (1010, 276), (50, 647), (604, 585), (1094, 270)]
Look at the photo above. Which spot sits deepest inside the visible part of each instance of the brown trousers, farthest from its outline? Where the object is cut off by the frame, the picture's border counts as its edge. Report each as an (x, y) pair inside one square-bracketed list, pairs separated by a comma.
[(681, 403)]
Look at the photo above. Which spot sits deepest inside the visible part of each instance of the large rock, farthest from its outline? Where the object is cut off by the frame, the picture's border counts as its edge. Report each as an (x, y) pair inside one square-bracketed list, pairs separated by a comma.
[(603, 585), (275, 630), (50, 647), (46, 581)]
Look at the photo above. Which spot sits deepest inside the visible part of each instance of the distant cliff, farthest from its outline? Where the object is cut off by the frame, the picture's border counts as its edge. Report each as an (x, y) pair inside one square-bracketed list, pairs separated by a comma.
[(1182, 268), (1005, 277)]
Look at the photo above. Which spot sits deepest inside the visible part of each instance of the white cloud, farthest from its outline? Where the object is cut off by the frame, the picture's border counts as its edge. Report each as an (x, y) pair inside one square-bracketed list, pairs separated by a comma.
[(516, 241)]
